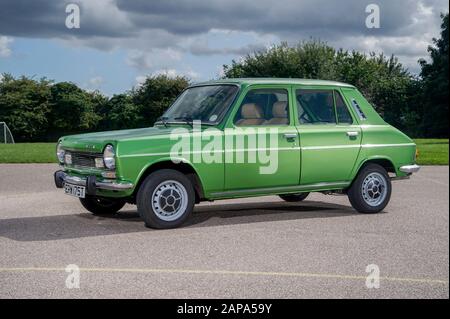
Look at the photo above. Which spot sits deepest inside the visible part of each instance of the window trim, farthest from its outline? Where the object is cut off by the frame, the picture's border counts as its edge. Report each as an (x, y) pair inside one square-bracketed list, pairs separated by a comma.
[(250, 89), (330, 90), (346, 107)]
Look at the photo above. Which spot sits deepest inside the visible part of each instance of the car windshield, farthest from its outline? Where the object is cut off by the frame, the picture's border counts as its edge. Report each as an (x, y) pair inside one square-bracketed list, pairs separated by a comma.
[(207, 104)]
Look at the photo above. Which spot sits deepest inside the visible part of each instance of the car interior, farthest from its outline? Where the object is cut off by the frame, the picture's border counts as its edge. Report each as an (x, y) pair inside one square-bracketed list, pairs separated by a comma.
[(263, 107)]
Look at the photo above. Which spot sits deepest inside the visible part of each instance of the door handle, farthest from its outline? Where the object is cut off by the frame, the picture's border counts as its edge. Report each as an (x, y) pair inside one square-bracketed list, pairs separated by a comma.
[(290, 136), (352, 134)]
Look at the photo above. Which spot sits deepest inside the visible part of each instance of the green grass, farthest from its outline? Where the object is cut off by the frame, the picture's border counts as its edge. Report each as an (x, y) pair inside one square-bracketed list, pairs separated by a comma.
[(431, 152), (28, 153)]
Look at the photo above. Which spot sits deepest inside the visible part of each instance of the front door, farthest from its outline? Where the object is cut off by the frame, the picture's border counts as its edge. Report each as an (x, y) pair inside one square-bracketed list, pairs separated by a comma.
[(261, 143), (330, 138)]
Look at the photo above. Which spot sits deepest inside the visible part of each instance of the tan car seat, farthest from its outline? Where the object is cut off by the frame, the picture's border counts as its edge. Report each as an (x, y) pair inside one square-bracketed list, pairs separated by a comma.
[(279, 112), (251, 114)]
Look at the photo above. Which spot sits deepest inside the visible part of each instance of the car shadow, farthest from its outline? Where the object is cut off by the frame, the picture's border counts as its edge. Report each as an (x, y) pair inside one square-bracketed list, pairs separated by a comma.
[(48, 228)]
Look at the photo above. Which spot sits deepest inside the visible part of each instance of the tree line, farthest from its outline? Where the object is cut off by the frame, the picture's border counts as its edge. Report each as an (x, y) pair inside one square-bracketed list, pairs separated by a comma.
[(42, 110)]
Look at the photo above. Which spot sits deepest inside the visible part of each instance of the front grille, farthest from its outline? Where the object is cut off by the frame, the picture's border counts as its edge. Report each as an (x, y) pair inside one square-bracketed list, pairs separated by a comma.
[(84, 160)]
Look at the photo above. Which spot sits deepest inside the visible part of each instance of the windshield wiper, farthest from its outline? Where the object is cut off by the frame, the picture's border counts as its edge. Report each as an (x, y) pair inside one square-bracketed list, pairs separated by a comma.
[(188, 120), (163, 120)]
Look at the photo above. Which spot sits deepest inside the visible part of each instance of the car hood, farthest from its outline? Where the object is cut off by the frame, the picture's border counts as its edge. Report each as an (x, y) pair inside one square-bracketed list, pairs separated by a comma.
[(95, 142)]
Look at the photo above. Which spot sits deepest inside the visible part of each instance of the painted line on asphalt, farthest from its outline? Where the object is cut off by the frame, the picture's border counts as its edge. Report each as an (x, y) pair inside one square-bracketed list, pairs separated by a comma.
[(228, 272)]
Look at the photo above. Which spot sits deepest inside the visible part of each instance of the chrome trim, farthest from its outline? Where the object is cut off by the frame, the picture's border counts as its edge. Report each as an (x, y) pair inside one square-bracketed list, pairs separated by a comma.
[(410, 168), (387, 145), (332, 185), (114, 185), (290, 135), (352, 133), (107, 185)]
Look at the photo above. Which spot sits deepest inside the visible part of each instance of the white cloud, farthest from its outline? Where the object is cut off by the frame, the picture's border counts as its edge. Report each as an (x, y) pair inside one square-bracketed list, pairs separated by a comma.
[(5, 50), (161, 58), (95, 83)]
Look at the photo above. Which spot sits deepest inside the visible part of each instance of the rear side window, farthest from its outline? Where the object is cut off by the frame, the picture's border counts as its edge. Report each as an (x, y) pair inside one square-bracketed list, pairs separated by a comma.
[(358, 110), (344, 116), (315, 106)]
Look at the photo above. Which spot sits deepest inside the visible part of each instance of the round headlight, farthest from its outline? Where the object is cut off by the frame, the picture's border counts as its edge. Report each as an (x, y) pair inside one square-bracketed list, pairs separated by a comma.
[(60, 153), (109, 157)]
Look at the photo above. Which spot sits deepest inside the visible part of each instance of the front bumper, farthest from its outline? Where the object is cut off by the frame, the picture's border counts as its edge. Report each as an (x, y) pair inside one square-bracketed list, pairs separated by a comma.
[(90, 182), (409, 169)]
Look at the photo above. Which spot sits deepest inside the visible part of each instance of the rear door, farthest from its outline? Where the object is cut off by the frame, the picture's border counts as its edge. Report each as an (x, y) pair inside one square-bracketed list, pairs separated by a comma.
[(330, 137)]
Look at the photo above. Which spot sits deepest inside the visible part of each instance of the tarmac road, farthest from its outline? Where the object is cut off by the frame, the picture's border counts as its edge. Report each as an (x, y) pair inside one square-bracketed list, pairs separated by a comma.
[(250, 248)]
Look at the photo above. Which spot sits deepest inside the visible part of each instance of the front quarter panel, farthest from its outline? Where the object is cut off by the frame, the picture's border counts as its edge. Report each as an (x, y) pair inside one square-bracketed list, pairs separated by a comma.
[(135, 156)]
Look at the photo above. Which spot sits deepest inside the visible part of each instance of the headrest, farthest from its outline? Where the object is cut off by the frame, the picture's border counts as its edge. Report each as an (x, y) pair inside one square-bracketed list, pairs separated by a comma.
[(251, 111), (279, 109)]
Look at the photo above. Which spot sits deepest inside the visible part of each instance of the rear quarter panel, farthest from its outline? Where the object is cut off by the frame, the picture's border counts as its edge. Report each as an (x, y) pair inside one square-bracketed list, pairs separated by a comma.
[(385, 142)]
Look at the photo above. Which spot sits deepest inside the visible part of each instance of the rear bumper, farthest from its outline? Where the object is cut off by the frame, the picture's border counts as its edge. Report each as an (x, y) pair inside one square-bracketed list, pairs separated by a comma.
[(90, 182), (409, 169)]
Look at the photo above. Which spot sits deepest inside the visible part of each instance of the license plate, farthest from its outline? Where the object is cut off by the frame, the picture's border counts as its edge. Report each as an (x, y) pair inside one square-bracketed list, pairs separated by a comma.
[(75, 190)]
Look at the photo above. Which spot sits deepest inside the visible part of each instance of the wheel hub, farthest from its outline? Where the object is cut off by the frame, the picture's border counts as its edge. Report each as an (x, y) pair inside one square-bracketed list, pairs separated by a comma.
[(169, 200), (374, 189)]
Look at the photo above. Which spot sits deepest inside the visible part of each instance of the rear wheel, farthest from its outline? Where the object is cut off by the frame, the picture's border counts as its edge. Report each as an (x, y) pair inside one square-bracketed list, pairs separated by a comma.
[(165, 199), (371, 190), (102, 205), (294, 197)]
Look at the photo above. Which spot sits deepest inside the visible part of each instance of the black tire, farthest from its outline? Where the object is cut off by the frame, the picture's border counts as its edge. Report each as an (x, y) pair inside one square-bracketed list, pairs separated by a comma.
[(357, 195), (294, 197), (102, 205), (161, 188)]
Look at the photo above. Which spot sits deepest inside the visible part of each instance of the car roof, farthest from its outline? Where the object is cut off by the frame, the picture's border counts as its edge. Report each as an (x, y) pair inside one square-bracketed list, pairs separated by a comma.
[(250, 81)]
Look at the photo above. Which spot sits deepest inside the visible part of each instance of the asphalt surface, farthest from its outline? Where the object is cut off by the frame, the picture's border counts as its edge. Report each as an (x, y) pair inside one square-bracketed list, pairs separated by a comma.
[(251, 248)]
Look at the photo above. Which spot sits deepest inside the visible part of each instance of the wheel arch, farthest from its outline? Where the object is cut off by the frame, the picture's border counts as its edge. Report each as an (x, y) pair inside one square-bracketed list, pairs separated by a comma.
[(383, 161), (181, 166)]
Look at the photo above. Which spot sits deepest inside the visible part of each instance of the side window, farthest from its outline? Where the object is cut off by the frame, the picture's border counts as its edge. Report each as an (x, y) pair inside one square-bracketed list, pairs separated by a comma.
[(344, 116), (263, 107), (315, 106)]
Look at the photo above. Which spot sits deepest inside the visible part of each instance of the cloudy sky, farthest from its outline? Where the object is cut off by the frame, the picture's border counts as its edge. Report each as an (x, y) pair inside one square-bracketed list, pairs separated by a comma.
[(119, 42)]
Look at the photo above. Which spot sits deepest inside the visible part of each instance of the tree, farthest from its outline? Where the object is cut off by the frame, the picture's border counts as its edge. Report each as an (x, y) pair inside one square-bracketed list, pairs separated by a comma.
[(72, 109), (120, 113), (434, 122), (383, 80), (155, 95), (24, 106)]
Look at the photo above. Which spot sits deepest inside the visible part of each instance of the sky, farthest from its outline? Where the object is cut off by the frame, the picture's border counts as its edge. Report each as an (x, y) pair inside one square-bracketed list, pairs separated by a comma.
[(120, 42)]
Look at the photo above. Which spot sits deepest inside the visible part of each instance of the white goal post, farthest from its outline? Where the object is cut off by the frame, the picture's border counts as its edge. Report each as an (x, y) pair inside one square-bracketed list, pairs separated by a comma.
[(6, 136)]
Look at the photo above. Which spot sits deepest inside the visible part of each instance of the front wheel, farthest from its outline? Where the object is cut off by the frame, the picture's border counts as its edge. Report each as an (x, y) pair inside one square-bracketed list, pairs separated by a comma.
[(102, 205), (371, 191), (165, 199)]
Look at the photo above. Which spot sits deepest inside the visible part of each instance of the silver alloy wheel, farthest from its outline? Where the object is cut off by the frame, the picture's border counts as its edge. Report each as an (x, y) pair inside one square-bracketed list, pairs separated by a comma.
[(374, 189), (169, 200)]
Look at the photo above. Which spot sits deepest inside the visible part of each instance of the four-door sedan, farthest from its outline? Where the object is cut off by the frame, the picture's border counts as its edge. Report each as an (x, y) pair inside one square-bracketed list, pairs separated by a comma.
[(240, 138)]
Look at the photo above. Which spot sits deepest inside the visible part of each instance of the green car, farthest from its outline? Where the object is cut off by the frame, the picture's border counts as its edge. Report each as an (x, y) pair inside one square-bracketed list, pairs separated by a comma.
[(239, 138)]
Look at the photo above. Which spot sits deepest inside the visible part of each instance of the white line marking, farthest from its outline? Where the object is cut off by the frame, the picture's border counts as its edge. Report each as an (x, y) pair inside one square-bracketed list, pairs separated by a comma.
[(227, 272)]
